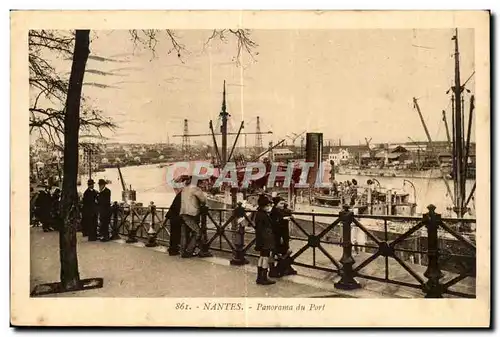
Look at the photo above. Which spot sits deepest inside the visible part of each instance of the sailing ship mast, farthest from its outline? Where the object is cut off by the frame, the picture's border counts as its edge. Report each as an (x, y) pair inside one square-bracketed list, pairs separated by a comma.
[(223, 159), (222, 155), (458, 172), (461, 145), (223, 128)]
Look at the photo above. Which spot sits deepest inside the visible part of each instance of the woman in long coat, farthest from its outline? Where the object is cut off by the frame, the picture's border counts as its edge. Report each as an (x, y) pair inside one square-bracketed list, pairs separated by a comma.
[(175, 219), (264, 239)]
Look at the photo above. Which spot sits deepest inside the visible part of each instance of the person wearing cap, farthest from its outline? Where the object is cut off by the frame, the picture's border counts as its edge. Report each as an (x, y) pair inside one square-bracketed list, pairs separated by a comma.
[(192, 198), (89, 212), (264, 239), (104, 206), (280, 217)]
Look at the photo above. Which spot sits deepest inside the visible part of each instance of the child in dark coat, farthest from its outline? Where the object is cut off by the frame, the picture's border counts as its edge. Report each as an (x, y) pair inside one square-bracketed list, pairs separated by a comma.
[(264, 239), (281, 254)]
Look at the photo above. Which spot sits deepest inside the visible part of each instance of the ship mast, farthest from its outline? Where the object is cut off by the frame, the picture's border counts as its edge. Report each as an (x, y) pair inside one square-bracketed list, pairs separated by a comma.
[(460, 145), (223, 129), (458, 173)]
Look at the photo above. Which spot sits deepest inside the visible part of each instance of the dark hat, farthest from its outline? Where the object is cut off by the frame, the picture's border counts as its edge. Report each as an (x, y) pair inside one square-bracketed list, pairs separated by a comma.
[(263, 201), (90, 182), (276, 200), (102, 182)]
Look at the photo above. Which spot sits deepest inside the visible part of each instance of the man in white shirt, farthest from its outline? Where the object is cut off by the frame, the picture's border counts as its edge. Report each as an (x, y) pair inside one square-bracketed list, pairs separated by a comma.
[(192, 198)]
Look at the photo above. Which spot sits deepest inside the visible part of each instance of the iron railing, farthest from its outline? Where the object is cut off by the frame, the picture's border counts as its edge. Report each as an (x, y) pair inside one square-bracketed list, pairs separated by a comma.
[(412, 252)]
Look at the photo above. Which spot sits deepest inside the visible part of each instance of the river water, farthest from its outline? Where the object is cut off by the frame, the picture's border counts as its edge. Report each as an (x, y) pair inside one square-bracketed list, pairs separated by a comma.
[(150, 182)]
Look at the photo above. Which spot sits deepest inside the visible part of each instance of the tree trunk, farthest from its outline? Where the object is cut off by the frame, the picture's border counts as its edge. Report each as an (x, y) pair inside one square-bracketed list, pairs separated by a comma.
[(70, 278)]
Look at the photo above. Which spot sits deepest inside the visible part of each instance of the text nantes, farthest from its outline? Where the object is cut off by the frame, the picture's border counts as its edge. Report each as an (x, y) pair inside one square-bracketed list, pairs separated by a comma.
[(224, 306)]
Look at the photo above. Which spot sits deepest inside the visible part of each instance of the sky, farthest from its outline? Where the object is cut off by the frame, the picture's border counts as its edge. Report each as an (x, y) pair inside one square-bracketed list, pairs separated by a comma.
[(348, 84)]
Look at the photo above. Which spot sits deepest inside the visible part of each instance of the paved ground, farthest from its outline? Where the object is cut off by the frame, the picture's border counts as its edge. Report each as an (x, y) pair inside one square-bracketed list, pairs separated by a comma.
[(129, 271)]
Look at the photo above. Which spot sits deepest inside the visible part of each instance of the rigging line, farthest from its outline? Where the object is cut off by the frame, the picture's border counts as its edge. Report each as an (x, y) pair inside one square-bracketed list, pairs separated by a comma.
[(439, 168), (265, 126), (463, 85), (422, 47), (217, 125), (151, 188), (449, 103), (231, 127)]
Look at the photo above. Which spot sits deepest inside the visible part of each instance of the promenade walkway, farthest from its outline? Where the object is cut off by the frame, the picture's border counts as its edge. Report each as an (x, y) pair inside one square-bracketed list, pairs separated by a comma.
[(132, 271)]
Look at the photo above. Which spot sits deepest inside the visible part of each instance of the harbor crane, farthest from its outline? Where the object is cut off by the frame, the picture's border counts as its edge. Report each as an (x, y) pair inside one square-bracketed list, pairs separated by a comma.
[(431, 145), (128, 194), (370, 151), (295, 136)]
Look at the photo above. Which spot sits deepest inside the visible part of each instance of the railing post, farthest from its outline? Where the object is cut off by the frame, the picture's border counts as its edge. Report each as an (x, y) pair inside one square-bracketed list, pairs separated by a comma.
[(115, 228), (239, 239), (132, 229), (151, 231), (432, 288), (347, 281), (204, 249)]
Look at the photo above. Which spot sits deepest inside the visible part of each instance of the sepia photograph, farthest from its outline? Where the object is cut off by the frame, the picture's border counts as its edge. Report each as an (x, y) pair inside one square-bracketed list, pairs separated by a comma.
[(273, 174)]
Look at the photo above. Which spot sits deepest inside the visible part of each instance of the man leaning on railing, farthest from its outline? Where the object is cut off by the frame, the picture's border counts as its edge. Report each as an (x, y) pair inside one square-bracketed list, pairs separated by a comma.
[(192, 198)]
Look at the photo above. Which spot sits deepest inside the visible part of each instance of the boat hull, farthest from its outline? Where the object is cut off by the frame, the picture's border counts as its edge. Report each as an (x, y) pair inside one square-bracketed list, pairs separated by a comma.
[(374, 172)]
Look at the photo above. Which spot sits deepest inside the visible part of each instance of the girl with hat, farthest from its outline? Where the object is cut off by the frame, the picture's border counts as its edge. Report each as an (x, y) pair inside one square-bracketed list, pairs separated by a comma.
[(264, 239)]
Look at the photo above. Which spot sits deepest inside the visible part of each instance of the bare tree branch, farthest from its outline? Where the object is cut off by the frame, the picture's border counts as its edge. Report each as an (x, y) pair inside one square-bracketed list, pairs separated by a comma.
[(150, 38), (244, 43), (46, 82)]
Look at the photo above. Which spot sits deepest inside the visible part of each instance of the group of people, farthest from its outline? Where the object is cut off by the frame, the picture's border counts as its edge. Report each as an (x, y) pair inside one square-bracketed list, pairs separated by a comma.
[(271, 231), (96, 209), (272, 239), (45, 208), (347, 189)]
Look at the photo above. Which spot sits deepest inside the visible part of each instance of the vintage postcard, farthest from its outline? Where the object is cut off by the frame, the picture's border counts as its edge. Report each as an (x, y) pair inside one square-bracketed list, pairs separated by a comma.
[(250, 168)]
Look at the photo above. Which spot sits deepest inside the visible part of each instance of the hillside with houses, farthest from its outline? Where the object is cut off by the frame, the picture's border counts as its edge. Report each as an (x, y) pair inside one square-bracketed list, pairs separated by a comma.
[(410, 156)]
